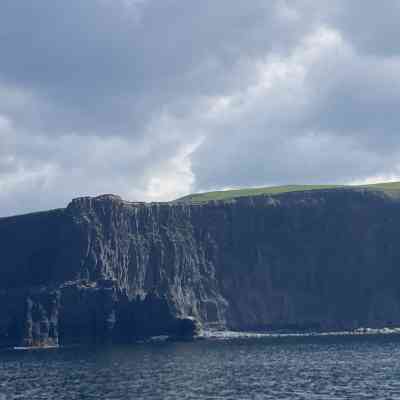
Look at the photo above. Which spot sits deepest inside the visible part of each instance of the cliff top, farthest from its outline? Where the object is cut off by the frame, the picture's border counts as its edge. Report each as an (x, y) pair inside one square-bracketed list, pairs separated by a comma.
[(390, 188)]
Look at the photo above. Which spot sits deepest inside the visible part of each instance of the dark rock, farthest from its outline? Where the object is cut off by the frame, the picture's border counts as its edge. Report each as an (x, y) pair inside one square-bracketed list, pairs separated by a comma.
[(106, 270), (187, 327)]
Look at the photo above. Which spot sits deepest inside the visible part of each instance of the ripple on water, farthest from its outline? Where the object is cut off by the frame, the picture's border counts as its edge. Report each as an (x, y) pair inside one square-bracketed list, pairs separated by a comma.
[(292, 367)]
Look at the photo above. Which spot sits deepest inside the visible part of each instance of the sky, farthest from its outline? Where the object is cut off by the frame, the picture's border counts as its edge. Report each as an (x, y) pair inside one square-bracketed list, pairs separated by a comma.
[(155, 99)]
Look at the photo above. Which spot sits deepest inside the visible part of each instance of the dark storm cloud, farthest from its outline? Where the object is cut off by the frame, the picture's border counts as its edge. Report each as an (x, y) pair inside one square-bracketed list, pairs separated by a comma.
[(151, 99), (101, 65)]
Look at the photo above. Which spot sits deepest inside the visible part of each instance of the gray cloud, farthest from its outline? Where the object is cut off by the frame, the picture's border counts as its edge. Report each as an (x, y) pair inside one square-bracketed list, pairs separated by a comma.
[(154, 99), (370, 26)]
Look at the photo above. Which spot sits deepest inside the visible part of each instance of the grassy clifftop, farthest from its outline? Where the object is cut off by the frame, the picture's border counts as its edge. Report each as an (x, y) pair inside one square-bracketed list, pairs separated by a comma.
[(390, 188)]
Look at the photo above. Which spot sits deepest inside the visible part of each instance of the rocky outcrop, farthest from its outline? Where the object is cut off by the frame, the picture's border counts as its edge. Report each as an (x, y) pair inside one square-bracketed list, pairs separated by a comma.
[(108, 270)]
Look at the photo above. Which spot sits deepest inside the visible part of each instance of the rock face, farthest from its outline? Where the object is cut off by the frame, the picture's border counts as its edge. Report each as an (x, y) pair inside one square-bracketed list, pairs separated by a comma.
[(107, 270)]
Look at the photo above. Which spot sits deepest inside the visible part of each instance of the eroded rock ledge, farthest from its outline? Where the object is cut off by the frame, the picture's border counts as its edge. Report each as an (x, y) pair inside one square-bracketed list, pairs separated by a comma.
[(82, 312), (107, 270)]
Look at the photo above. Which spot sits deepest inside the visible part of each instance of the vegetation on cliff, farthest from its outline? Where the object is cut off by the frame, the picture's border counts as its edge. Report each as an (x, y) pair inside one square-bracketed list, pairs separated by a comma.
[(390, 188)]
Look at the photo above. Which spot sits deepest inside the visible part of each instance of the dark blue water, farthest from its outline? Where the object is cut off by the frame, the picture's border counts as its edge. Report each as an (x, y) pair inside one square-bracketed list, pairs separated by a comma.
[(263, 368)]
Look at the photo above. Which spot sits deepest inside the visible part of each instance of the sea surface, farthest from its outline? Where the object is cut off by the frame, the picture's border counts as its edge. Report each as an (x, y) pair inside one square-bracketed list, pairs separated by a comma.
[(227, 367)]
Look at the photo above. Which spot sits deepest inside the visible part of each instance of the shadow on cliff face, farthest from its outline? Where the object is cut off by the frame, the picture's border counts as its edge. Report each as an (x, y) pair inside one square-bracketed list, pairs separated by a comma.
[(87, 313), (105, 314), (30, 317)]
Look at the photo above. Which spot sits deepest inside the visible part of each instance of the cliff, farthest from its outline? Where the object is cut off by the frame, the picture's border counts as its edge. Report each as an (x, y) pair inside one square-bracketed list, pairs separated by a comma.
[(108, 270)]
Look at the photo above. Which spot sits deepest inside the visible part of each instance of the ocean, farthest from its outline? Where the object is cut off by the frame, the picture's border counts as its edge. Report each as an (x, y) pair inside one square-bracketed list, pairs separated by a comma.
[(221, 367)]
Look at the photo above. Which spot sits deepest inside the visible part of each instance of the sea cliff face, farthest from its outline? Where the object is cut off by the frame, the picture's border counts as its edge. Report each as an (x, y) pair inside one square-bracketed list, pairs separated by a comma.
[(107, 270)]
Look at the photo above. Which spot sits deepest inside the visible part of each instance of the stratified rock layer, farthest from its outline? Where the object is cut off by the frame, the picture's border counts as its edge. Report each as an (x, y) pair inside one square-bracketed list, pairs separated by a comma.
[(107, 270)]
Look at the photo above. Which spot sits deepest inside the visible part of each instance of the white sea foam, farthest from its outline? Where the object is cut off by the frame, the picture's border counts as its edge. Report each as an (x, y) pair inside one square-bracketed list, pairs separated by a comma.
[(228, 335)]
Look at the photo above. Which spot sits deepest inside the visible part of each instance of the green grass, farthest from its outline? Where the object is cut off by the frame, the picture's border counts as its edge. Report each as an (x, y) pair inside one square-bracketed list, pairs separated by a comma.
[(390, 188)]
